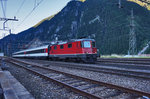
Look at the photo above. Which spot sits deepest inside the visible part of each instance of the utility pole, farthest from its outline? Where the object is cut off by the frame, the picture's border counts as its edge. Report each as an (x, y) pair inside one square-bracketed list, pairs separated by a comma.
[(132, 36), (119, 3), (9, 31), (5, 29), (7, 19)]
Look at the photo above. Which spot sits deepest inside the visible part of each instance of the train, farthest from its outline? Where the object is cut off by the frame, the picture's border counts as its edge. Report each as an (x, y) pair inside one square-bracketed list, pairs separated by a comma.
[(78, 49)]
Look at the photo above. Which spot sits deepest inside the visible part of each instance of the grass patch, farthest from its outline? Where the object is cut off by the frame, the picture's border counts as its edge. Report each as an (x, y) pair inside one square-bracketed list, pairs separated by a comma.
[(125, 56)]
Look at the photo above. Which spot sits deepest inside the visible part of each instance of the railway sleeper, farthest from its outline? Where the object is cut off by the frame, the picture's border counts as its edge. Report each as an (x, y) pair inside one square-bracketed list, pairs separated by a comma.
[(67, 79), (73, 82), (80, 84), (90, 87), (57, 76), (51, 74)]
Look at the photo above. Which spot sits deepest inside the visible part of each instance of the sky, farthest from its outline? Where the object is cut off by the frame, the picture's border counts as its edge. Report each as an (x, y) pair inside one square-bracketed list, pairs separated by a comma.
[(27, 18)]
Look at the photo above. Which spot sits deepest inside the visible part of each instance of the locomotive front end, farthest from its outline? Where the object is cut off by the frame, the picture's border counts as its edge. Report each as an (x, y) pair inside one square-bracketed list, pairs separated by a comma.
[(90, 51)]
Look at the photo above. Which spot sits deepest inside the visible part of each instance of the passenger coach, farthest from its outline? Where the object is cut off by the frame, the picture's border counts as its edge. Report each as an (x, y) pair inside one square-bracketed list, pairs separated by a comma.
[(39, 52)]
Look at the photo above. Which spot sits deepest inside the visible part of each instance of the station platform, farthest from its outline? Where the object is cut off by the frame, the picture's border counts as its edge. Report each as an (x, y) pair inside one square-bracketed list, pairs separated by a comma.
[(10, 88)]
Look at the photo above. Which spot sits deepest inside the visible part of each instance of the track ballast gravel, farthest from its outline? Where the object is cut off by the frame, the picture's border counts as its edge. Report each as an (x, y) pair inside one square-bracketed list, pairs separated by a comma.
[(40, 88), (129, 82)]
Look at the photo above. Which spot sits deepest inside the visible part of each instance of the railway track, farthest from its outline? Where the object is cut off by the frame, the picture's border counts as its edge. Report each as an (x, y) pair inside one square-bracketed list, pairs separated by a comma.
[(84, 86), (130, 61), (126, 59), (139, 74), (124, 65), (141, 64)]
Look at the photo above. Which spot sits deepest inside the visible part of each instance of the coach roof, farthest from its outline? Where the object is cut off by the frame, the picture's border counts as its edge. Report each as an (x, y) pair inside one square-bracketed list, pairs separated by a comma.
[(36, 48), (72, 40)]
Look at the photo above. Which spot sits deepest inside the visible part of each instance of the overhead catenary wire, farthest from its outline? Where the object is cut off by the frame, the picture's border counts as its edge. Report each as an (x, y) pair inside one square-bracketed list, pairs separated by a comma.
[(17, 12), (20, 7), (34, 3), (29, 13), (112, 30), (5, 6), (3, 9)]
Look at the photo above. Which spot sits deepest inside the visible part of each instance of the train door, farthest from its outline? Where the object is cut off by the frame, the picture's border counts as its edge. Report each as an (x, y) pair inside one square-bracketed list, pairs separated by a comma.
[(49, 48), (78, 47)]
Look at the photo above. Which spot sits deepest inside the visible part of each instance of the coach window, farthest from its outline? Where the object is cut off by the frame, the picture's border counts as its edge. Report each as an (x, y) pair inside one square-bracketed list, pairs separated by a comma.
[(44, 50), (55, 47), (61, 46), (69, 45), (93, 44)]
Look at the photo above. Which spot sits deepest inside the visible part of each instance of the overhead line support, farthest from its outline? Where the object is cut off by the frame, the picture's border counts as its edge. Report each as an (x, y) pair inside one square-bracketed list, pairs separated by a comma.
[(7, 19), (132, 36)]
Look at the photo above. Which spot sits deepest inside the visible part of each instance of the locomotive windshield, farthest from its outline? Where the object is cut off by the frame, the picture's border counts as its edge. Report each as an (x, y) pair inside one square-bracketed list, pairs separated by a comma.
[(87, 44)]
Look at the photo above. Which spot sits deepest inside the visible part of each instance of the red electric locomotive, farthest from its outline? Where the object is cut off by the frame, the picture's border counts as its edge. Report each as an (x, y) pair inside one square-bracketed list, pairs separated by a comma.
[(80, 49)]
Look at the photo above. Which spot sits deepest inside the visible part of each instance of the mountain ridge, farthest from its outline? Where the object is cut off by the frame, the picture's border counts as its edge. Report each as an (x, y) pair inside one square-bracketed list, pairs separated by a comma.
[(102, 19), (143, 3), (48, 18)]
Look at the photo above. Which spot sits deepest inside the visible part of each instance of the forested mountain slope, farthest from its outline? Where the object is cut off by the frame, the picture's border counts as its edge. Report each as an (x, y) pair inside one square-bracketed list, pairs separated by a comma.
[(102, 18)]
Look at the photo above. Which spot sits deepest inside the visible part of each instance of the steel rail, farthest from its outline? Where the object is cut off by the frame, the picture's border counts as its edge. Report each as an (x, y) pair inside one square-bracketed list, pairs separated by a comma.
[(104, 71), (126, 59), (122, 61), (141, 93), (114, 69), (109, 70), (124, 64), (82, 92)]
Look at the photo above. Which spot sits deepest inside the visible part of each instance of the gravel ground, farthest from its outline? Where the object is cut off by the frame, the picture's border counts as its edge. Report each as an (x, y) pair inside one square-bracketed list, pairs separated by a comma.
[(114, 79), (126, 65), (121, 67), (134, 83), (40, 88)]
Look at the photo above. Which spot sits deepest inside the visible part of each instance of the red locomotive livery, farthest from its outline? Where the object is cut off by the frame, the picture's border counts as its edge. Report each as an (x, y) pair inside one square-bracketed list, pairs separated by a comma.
[(80, 49)]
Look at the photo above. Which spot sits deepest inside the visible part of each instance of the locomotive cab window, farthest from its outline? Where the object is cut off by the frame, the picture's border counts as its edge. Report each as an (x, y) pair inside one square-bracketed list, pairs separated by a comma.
[(55, 47), (93, 44), (69, 45), (86, 44), (61, 46)]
